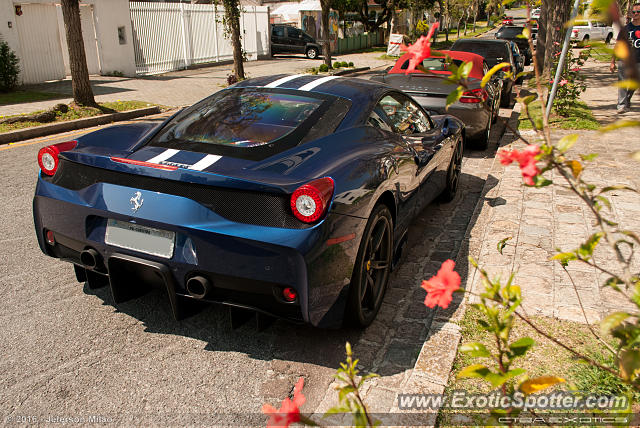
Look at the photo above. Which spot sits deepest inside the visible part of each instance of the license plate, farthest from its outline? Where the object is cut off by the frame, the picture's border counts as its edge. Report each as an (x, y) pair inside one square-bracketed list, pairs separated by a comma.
[(140, 238)]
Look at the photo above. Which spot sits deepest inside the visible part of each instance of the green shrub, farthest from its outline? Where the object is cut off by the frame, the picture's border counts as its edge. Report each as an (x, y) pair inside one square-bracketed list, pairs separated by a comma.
[(9, 68), (350, 64), (337, 64), (323, 68)]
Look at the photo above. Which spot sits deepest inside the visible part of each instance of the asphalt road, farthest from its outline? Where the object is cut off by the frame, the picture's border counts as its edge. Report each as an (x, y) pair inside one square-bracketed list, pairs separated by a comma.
[(70, 352)]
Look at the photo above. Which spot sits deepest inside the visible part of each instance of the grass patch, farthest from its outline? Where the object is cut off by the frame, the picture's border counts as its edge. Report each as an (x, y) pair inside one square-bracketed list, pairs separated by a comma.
[(580, 117), (78, 113), (18, 97), (545, 358)]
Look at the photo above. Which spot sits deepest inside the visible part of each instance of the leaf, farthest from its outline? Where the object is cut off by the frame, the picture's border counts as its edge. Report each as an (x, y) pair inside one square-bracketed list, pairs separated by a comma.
[(605, 201), (629, 84), (589, 157), (629, 363), (617, 187), (521, 346), (539, 181), (465, 69), (612, 321), (576, 167), (566, 142), (539, 383), (621, 50), (526, 32), (502, 244), (620, 124), (474, 370), (565, 258), (344, 391), (586, 249), (527, 100), (475, 349), (454, 95), (493, 71)]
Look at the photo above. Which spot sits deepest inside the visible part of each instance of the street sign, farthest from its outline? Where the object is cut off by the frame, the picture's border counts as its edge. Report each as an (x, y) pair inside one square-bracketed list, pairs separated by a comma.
[(395, 40)]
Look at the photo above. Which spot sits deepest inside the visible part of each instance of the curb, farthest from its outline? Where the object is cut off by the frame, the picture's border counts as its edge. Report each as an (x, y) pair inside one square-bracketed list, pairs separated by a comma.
[(451, 317), (55, 128), (351, 71)]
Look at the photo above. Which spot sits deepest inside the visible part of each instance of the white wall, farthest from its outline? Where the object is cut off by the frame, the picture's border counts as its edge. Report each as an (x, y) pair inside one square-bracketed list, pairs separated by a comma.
[(108, 16)]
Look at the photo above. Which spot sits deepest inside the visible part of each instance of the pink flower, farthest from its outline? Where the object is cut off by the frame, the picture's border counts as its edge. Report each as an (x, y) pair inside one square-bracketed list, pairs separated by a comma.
[(576, 69), (289, 412), (420, 50), (527, 160), (440, 288), (563, 82)]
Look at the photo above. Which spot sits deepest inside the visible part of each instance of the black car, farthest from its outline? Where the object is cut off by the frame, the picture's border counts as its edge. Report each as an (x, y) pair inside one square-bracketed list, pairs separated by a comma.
[(494, 52), (511, 33), (518, 59), (289, 39)]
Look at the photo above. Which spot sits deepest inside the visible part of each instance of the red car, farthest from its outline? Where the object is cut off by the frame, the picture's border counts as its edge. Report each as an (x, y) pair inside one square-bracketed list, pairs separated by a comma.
[(508, 20)]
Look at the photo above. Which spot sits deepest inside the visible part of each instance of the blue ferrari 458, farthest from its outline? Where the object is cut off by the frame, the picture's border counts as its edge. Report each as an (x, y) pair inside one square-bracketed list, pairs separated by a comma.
[(288, 195)]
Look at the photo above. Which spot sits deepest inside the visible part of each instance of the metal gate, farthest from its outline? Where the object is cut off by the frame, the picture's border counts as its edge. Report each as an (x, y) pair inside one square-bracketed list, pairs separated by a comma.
[(170, 36), (40, 48)]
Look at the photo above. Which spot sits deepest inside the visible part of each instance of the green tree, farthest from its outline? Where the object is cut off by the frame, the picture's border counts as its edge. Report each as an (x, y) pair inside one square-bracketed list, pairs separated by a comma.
[(9, 68)]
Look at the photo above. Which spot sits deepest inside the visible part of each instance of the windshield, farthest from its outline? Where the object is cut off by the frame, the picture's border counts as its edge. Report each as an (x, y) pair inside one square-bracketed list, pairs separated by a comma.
[(240, 118), (433, 64)]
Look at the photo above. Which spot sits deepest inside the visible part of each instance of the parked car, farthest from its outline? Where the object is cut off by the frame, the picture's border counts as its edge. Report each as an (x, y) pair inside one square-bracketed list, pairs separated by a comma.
[(584, 31), (289, 39), (507, 20), (518, 59), (494, 52), (478, 108), (287, 195), (511, 33)]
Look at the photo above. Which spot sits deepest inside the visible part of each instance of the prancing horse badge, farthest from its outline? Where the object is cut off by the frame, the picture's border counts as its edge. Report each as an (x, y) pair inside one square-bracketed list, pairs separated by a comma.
[(136, 201)]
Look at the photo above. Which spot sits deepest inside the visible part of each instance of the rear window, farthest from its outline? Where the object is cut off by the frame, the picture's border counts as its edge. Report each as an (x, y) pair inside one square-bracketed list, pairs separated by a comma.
[(492, 52), (510, 32), (240, 118)]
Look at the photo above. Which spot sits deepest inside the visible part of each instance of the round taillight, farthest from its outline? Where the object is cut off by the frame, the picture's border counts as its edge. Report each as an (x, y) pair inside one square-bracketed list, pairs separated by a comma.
[(310, 201), (48, 156), (289, 294)]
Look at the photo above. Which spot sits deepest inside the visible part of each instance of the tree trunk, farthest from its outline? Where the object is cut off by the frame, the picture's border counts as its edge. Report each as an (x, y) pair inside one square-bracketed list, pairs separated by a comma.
[(232, 15), (558, 14), (542, 36), (326, 47), (82, 92)]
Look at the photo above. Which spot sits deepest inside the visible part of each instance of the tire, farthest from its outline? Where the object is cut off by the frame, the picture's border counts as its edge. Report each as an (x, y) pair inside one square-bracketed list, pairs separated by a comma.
[(506, 101), (453, 173), (496, 110), (312, 53), (372, 268), (482, 142), (608, 39)]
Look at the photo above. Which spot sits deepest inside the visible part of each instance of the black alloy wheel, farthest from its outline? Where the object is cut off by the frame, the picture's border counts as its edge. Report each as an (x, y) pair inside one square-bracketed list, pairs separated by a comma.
[(372, 268), (312, 53), (453, 173)]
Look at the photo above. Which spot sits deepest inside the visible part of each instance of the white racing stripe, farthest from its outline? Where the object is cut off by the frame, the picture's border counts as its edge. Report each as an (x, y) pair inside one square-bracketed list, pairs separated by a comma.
[(309, 86), (163, 156), (205, 162), (283, 80)]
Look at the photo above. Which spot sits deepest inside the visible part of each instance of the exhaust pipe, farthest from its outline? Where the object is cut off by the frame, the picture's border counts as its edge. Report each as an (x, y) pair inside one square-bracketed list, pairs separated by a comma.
[(90, 258), (198, 287)]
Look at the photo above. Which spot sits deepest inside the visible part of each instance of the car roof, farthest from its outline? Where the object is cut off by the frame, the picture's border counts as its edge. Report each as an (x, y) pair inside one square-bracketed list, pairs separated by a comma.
[(351, 88)]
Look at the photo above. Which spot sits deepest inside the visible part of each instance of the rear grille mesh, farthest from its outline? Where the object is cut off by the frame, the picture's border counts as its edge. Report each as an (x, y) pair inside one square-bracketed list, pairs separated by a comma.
[(262, 209)]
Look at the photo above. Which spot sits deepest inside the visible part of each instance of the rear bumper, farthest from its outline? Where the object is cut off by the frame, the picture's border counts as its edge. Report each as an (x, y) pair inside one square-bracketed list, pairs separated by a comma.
[(247, 265)]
